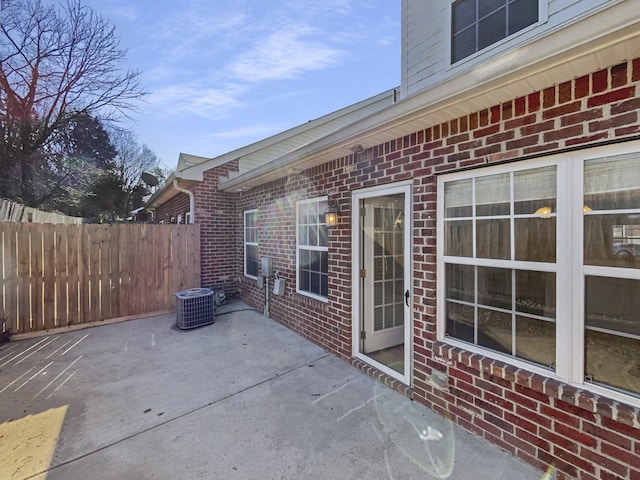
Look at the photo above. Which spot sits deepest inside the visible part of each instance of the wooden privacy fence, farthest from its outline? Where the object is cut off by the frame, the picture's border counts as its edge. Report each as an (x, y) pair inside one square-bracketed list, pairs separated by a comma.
[(56, 275)]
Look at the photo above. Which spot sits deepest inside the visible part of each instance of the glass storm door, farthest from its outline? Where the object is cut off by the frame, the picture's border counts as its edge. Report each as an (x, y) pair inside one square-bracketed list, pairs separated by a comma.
[(384, 296)]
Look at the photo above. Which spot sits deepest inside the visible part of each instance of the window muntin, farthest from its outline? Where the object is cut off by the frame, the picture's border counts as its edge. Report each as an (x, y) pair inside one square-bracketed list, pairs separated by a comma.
[(251, 243), (477, 24), (538, 300), (503, 305), (312, 249)]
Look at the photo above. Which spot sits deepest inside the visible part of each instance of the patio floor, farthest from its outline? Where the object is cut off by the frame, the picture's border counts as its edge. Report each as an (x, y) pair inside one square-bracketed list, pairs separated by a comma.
[(244, 398)]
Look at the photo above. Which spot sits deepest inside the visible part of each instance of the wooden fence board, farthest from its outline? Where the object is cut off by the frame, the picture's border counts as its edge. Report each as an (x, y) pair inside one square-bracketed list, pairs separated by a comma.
[(37, 278), (49, 275), (61, 274), (64, 275), (10, 274), (73, 267), (24, 278)]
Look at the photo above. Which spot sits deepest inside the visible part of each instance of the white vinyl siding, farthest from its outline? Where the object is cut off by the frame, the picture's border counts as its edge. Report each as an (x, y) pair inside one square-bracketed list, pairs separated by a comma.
[(426, 27)]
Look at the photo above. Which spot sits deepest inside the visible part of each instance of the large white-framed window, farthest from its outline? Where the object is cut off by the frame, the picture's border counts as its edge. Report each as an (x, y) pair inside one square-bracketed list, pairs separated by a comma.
[(251, 243), (477, 24), (539, 266), (312, 264)]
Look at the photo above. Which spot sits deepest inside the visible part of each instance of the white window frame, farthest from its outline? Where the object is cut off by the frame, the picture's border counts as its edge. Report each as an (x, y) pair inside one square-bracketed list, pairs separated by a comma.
[(569, 268), (543, 17), (246, 243), (317, 200)]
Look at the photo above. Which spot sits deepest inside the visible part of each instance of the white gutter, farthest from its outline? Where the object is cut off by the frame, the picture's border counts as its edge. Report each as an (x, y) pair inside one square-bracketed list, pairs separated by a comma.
[(192, 199)]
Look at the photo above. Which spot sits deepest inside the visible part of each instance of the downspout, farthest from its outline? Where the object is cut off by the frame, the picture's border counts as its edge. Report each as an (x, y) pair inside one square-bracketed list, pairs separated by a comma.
[(192, 199)]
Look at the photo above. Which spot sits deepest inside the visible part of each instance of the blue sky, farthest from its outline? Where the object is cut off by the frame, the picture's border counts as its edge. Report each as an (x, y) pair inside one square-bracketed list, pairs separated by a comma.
[(225, 73)]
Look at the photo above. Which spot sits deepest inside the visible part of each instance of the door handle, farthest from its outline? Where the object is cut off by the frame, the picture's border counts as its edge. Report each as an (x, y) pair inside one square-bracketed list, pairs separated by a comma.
[(406, 297)]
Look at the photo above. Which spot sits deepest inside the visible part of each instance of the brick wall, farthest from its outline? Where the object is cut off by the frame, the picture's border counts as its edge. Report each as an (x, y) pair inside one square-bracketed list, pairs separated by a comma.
[(221, 236), (178, 205), (535, 418)]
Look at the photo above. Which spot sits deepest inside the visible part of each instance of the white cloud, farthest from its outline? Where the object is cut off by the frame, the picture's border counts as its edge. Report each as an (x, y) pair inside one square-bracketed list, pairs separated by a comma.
[(248, 131), (286, 53), (202, 101)]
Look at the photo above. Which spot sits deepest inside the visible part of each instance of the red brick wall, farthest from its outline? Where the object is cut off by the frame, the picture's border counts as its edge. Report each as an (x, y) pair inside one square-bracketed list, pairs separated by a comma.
[(535, 418), (221, 236), (178, 205)]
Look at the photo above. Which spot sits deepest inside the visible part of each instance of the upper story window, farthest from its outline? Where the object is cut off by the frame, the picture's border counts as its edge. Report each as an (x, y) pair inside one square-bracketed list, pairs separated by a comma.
[(476, 24), (313, 250), (251, 243), (539, 263)]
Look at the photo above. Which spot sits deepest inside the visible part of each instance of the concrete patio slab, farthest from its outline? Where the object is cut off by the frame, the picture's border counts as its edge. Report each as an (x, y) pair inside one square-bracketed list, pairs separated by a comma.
[(244, 398)]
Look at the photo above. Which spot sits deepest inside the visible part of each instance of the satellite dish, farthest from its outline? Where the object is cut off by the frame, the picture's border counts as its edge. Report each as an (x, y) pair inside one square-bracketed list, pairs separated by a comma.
[(149, 179)]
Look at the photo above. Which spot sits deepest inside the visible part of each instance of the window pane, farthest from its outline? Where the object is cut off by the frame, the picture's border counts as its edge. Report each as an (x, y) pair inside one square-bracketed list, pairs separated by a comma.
[(536, 239), (457, 199), (324, 262), (612, 183), (613, 360), (460, 322), (304, 280), (323, 231), (303, 238), (612, 240), (464, 14), (324, 285), (494, 287), (251, 260), (522, 13), (613, 304), (536, 293), (464, 44), (458, 238), (493, 195), (535, 190), (536, 341), (460, 282), (492, 29), (314, 285), (313, 235), (493, 239), (488, 6), (494, 330)]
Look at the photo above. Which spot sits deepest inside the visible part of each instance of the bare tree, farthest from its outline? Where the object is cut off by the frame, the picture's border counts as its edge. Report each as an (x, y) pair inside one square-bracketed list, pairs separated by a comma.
[(55, 64), (131, 160)]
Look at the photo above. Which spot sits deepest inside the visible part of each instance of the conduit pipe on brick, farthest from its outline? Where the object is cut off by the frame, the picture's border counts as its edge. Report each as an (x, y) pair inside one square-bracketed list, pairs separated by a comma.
[(192, 199)]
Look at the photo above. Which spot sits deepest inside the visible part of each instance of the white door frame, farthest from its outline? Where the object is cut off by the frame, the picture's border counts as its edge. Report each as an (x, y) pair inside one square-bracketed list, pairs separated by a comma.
[(356, 196)]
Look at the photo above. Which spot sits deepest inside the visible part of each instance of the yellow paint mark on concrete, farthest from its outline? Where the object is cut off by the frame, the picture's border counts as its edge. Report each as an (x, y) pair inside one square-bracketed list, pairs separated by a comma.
[(28, 444)]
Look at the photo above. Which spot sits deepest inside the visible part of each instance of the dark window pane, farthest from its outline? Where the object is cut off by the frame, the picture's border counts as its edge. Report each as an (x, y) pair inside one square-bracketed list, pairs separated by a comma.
[(493, 239), (492, 29), (460, 282), (536, 293), (536, 239), (324, 285), (536, 341), (314, 283), (464, 14), (324, 262), (613, 304), (494, 287), (613, 360), (460, 322), (464, 44), (494, 330), (304, 280), (522, 13), (304, 259), (458, 238), (488, 6), (251, 260)]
